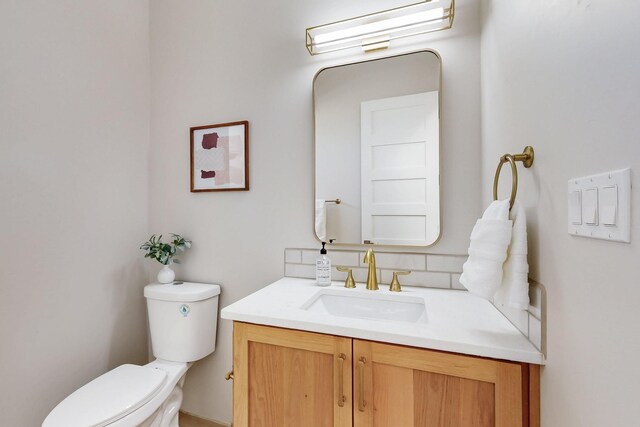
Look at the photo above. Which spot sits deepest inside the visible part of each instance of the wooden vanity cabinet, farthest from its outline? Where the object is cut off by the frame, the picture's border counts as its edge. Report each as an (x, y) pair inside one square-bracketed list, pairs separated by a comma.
[(292, 378)]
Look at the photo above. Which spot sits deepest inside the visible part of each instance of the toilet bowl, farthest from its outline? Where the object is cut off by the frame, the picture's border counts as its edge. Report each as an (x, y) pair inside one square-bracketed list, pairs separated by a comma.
[(183, 323)]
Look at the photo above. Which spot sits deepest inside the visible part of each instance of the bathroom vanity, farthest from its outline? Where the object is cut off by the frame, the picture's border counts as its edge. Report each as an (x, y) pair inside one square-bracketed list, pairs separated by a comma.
[(305, 355)]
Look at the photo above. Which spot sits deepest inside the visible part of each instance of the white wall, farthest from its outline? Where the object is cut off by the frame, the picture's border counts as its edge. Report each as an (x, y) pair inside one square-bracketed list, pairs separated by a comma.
[(338, 93), (213, 62), (563, 77), (74, 120)]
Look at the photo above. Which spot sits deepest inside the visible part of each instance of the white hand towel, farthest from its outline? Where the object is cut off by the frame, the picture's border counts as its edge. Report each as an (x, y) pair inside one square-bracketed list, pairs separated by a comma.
[(514, 291), (321, 220), (482, 273)]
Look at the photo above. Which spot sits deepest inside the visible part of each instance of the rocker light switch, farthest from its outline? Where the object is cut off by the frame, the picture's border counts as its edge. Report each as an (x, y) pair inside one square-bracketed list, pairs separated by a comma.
[(575, 207), (609, 204), (590, 206)]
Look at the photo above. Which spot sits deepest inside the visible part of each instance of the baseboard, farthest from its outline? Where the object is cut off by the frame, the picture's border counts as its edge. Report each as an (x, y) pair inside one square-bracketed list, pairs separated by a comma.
[(190, 420)]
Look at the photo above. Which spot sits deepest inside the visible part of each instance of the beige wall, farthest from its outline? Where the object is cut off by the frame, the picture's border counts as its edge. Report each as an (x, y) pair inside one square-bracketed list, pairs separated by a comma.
[(213, 62), (74, 108), (563, 77)]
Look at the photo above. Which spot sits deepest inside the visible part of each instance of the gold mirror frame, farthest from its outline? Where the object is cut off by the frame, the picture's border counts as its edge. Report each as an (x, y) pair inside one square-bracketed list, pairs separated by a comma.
[(313, 92)]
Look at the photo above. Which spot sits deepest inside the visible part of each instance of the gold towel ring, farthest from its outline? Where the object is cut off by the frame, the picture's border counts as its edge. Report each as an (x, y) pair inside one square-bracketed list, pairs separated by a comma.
[(514, 176), (527, 160)]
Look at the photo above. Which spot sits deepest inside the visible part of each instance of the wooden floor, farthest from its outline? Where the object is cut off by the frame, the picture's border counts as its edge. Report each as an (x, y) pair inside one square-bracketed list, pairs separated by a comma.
[(188, 420)]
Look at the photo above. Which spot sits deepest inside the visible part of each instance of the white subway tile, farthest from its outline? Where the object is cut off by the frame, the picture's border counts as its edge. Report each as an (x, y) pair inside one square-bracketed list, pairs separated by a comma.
[(535, 332), (398, 261), (455, 282), (448, 263), (309, 256), (346, 258), (423, 279), (300, 270), (359, 274), (535, 299), (293, 256)]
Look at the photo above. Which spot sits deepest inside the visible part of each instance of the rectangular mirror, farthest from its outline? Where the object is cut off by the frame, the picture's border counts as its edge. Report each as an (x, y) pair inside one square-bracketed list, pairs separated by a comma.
[(377, 151)]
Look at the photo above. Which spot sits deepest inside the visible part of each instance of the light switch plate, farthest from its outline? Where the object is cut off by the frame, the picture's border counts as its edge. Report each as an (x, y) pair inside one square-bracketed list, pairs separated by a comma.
[(604, 205)]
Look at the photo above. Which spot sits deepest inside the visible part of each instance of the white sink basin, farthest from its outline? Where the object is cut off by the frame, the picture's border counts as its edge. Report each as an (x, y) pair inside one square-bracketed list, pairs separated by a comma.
[(362, 304)]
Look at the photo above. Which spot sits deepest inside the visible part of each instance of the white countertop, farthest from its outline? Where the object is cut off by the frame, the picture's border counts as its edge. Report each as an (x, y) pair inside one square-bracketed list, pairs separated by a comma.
[(456, 321)]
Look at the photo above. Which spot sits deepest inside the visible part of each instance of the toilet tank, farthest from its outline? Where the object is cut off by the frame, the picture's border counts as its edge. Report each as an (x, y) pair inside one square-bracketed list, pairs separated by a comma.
[(183, 319)]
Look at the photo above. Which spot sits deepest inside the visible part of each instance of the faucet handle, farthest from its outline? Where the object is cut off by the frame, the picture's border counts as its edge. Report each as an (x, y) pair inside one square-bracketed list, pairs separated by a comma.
[(395, 283), (349, 282)]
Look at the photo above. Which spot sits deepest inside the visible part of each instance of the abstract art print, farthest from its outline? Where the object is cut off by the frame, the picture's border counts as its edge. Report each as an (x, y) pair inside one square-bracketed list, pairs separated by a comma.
[(220, 157)]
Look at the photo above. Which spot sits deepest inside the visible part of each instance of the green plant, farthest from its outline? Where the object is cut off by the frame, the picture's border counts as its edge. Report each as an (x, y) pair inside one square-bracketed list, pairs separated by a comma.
[(164, 252)]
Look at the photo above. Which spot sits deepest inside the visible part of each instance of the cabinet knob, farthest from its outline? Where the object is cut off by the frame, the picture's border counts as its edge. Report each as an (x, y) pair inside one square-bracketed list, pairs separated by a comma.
[(229, 376)]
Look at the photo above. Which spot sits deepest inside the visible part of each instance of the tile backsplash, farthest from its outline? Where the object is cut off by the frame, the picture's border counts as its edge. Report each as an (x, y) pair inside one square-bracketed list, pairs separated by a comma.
[(431, 271), (427, 270)]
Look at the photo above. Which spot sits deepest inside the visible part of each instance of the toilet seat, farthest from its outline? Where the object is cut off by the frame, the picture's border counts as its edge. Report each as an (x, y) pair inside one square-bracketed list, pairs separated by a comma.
[(185, 314), (109, 397)]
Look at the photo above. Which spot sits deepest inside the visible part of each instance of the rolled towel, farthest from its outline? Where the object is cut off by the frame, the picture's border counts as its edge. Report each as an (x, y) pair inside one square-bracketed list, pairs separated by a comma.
[(321, 220), (514, 291), (490, 238)]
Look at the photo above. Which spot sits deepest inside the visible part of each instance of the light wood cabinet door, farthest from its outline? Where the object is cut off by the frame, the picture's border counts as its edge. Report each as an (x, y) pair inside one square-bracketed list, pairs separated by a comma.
[(403, 386), (290, 378)]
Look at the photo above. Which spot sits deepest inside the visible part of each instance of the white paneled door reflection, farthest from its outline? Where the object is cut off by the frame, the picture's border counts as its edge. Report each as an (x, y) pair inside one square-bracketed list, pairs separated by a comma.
[(399, 169)]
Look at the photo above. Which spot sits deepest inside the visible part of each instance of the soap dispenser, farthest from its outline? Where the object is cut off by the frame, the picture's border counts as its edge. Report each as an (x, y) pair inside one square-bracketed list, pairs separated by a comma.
[(323, 268)]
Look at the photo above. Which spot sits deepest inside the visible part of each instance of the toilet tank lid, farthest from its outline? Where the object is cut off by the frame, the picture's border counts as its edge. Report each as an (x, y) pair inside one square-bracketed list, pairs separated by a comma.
[(181, 291)]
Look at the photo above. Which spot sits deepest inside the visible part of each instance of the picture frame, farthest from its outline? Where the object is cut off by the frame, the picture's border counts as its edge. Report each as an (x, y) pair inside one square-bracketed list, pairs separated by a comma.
[(220, 157)]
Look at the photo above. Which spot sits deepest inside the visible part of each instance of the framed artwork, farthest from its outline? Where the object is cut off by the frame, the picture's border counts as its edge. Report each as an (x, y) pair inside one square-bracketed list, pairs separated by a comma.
[(220, 157)]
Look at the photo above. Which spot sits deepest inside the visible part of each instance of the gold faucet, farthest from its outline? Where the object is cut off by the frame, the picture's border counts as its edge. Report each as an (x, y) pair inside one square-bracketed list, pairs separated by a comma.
[(349, 282), (395, 283), (372, 278)]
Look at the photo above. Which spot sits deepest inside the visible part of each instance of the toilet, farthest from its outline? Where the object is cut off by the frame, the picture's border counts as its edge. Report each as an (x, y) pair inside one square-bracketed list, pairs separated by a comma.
[(182, 320)]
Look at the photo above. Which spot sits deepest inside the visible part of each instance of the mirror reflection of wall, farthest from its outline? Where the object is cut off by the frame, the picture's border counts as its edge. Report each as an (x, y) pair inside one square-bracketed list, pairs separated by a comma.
[(377, 132)]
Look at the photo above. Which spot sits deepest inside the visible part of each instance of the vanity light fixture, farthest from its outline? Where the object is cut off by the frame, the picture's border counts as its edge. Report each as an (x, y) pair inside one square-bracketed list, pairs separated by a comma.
[(376, 30)]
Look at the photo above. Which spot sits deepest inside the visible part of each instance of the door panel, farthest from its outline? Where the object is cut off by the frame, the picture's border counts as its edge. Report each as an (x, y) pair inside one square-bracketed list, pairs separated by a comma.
[(452, 401), (400, 169), (290, 378), (288, 385), (403, 386), (393, 398)]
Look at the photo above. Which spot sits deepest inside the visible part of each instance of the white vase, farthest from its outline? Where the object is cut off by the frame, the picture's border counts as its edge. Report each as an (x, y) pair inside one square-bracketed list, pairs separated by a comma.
[(166, 275)]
